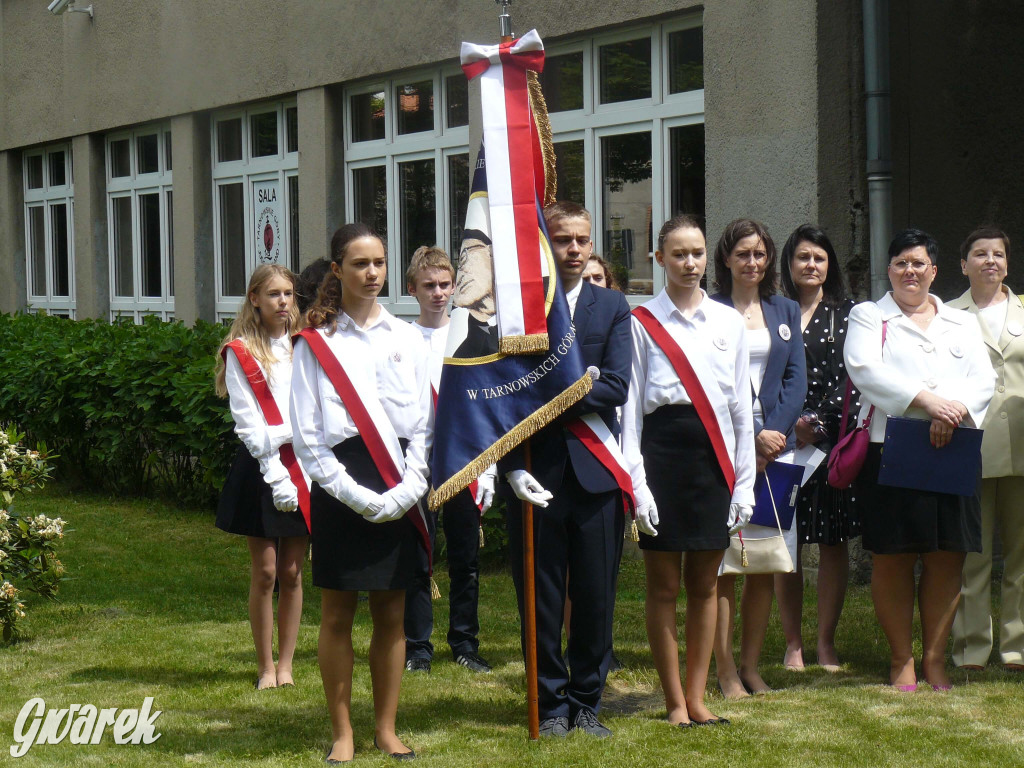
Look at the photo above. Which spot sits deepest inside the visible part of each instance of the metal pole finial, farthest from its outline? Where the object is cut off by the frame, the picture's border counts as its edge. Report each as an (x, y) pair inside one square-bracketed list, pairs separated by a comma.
[(504, 20)]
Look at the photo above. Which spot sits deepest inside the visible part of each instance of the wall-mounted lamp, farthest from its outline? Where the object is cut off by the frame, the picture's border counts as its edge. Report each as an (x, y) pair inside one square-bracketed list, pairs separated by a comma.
[(57, 7)]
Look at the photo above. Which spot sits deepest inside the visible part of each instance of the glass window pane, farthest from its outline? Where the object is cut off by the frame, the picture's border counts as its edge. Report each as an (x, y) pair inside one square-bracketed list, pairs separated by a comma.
[(458, 197), (264, 134), (58, 170), (562, 82), (123, 282), (37, 246), (687, 147), (291, 120), (626, 215), (34, 171), (120, 158), (367, 116), (293, 223), (370, 195), (232, 239), (229, 140), (417, 209), (167, 150), (626, 71), (148, 153), (456, 90), (415, 103), (60, 250), (686, 60), (569, 171), (149, 241), (170, 243)]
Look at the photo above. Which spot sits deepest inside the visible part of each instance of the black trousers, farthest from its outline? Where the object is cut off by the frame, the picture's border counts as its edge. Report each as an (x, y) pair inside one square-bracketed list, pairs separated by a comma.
[(581, 533), (461, 520)]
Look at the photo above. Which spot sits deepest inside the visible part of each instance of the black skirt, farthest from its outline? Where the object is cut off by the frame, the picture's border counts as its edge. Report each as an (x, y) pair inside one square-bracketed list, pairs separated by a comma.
[(246, 505), (899, 521), (349, 552), (686, 481), (825, 515)]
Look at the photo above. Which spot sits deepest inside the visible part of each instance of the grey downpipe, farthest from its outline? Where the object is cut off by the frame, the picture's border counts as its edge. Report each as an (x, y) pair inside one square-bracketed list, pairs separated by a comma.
[(879, 143)]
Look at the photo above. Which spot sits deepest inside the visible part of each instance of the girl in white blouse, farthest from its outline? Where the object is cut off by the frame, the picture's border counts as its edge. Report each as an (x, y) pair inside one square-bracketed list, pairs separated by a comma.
[(692, 488), (260, 498), (364, 445)]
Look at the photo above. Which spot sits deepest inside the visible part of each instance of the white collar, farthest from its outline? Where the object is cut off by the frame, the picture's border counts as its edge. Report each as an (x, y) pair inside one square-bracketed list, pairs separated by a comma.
[(891, 310), (385, 318), (668, 307)]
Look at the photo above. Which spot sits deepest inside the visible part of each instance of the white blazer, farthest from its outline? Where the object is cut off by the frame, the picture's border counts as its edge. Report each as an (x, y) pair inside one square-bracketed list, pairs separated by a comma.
[(949, 360)]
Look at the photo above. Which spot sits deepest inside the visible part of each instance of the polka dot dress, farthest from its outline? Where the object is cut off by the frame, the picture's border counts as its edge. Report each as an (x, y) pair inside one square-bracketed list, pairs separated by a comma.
[(825, 515)]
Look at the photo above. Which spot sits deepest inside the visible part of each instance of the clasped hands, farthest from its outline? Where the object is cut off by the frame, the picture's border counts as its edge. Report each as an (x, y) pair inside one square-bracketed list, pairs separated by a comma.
[(769, 445), (382, 508), (946, 415)]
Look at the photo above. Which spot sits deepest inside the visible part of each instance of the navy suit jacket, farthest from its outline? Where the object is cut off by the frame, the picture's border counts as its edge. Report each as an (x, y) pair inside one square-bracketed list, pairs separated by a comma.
[(784, 384), (602, 323)]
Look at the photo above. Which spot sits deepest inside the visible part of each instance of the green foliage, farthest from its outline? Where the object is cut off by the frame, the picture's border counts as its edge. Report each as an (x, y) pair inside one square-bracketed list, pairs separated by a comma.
[(129, 408)]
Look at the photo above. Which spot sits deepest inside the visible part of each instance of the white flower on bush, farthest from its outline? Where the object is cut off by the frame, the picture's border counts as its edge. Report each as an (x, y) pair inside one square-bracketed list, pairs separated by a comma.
[(8, 592), (4, 517), (47, 528), (3, 556), (5, 536)]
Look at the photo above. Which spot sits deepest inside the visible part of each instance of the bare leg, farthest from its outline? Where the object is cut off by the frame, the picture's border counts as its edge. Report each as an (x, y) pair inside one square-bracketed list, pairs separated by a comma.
[(833, 576), (700, 573), (938, 595), (335, 655), (387, 659), (290, 555), (789, 589), (892, 590), (662, 570), (755, 608), (725, 664), (262, 573)]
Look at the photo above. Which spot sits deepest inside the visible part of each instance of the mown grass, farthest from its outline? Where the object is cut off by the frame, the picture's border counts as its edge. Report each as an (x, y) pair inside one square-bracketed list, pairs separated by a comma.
[(156, 607)]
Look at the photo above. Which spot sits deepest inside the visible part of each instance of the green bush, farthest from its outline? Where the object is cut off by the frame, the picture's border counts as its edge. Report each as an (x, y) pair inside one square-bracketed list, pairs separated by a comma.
[(129, 408)]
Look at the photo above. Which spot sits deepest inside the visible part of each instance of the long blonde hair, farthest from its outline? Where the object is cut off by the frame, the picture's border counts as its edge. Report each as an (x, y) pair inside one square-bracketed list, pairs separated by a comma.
[(248, 326)]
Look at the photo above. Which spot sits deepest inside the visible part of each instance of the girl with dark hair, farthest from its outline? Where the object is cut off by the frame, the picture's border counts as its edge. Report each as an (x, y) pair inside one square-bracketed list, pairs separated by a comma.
[(360, 405), (825, 515)]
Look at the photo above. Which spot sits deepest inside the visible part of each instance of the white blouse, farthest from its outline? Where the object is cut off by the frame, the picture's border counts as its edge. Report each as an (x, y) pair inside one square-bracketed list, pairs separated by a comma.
[(759, 343), (262, 441), (714, 341), (388, 358)]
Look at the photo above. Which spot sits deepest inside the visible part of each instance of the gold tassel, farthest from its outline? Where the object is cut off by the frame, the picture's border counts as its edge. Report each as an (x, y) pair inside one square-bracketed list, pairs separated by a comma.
[(634, 532), (523, 345), (481, 530), (539, 108), (743, 555), (435, 593)]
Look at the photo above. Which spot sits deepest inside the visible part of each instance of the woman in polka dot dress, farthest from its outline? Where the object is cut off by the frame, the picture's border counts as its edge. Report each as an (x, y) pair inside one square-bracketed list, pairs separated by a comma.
[(811, 276)]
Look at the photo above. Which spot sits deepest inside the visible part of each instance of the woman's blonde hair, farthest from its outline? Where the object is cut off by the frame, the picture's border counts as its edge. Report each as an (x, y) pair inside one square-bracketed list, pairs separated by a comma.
[(248, 327)]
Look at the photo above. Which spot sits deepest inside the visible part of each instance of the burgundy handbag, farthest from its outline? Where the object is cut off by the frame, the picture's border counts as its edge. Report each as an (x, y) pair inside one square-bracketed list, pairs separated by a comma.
[(847, 457)]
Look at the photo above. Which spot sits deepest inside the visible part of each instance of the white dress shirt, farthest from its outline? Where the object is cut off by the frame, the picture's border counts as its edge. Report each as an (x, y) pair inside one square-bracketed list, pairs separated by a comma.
[(572, 297), (388, 358), (714, 341), (949, 360), (436, 340), (262, 441)]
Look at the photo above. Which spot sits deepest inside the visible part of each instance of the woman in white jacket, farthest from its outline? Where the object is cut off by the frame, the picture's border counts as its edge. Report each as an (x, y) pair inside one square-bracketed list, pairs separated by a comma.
[(932, 365)]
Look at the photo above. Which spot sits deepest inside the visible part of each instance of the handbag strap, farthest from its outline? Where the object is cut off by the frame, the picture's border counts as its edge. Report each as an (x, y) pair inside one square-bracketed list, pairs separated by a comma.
[(849, 392), (775, 509)]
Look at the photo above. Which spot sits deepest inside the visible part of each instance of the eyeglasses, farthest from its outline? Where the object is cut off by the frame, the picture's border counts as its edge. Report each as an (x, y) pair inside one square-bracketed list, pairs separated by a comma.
[(899, 267)]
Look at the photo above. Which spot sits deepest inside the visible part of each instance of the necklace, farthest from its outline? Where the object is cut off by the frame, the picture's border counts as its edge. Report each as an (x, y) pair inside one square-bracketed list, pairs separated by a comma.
[(749, 311)]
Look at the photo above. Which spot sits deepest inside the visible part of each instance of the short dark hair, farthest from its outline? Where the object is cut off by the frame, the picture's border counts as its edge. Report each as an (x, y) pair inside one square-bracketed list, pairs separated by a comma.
[(914, 238), (736, 230), (565, 209), (834, 290), (986, 232), (679, 221)]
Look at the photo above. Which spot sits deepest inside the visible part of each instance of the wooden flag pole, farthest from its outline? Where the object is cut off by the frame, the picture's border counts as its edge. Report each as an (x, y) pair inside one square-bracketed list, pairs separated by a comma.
[(530, 610)]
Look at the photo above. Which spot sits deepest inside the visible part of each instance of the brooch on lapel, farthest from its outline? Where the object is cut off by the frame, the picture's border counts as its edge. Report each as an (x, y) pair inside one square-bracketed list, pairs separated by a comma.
[(721, 343), (1014, 329), (784, 332)]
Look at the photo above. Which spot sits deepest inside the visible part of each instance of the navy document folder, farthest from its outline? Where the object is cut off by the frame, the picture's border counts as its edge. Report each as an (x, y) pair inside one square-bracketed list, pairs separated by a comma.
[(910, 461), (780, 483)]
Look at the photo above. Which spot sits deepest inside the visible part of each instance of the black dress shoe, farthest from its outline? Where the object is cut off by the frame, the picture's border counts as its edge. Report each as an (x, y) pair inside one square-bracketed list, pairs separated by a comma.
[(417, 665), (410, 755), (587, 722), (555, 727), (614, 665), (712, 721), (473, 662)]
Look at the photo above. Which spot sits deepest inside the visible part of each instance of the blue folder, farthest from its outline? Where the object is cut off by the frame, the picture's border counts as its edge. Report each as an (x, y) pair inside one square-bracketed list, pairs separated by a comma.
[(910, 461), (784, 481)]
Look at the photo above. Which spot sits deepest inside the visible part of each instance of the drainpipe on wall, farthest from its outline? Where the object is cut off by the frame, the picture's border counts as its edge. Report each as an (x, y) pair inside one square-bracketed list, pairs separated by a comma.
[(879, 147)]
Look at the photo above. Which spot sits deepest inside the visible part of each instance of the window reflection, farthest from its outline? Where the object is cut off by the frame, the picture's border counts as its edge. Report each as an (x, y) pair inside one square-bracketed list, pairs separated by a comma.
[(626, 214)]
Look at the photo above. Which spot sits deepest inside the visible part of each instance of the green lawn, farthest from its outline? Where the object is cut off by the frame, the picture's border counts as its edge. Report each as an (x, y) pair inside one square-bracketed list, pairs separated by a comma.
[(155, 606)]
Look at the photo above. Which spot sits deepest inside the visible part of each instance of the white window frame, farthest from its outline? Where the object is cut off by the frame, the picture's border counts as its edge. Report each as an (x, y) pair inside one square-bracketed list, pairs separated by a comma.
[(248, 171), (47, 197), (134, 186)]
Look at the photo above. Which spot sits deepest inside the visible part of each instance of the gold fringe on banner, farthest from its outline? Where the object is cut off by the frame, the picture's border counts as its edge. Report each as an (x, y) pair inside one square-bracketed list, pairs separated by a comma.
[(520, 432), (539, 108), (523, 345)]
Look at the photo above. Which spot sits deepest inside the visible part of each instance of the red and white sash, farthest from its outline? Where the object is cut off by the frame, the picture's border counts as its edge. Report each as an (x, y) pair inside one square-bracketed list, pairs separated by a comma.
[(599, 440), (272, 415), (372, 423), (694, 388)]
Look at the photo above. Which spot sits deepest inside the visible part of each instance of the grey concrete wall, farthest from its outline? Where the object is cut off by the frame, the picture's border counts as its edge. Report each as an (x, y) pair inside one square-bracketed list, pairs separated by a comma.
[(13, 287), (92, 275), (194, 285), (321, 171)]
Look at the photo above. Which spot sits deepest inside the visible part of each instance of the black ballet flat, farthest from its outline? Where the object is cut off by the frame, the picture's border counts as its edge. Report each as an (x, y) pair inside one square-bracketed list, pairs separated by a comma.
[(410, 755), (331, 761), (712, 721)]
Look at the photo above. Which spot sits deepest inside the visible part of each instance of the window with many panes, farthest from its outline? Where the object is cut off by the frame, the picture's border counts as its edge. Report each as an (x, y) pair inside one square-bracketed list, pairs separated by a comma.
[(49, 242), (140, 223), (627, 115), (255, 196)]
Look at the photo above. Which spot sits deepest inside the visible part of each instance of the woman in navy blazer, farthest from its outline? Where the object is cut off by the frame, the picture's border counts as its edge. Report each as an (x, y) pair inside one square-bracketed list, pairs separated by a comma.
[(746, 277)]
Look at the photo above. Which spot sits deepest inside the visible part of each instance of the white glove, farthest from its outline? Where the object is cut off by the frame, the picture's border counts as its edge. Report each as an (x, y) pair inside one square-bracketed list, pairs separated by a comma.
[(374, 504), (739, 516), (484, 491), (390, 511), (647, 518), (526, 488), (286, 495)]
